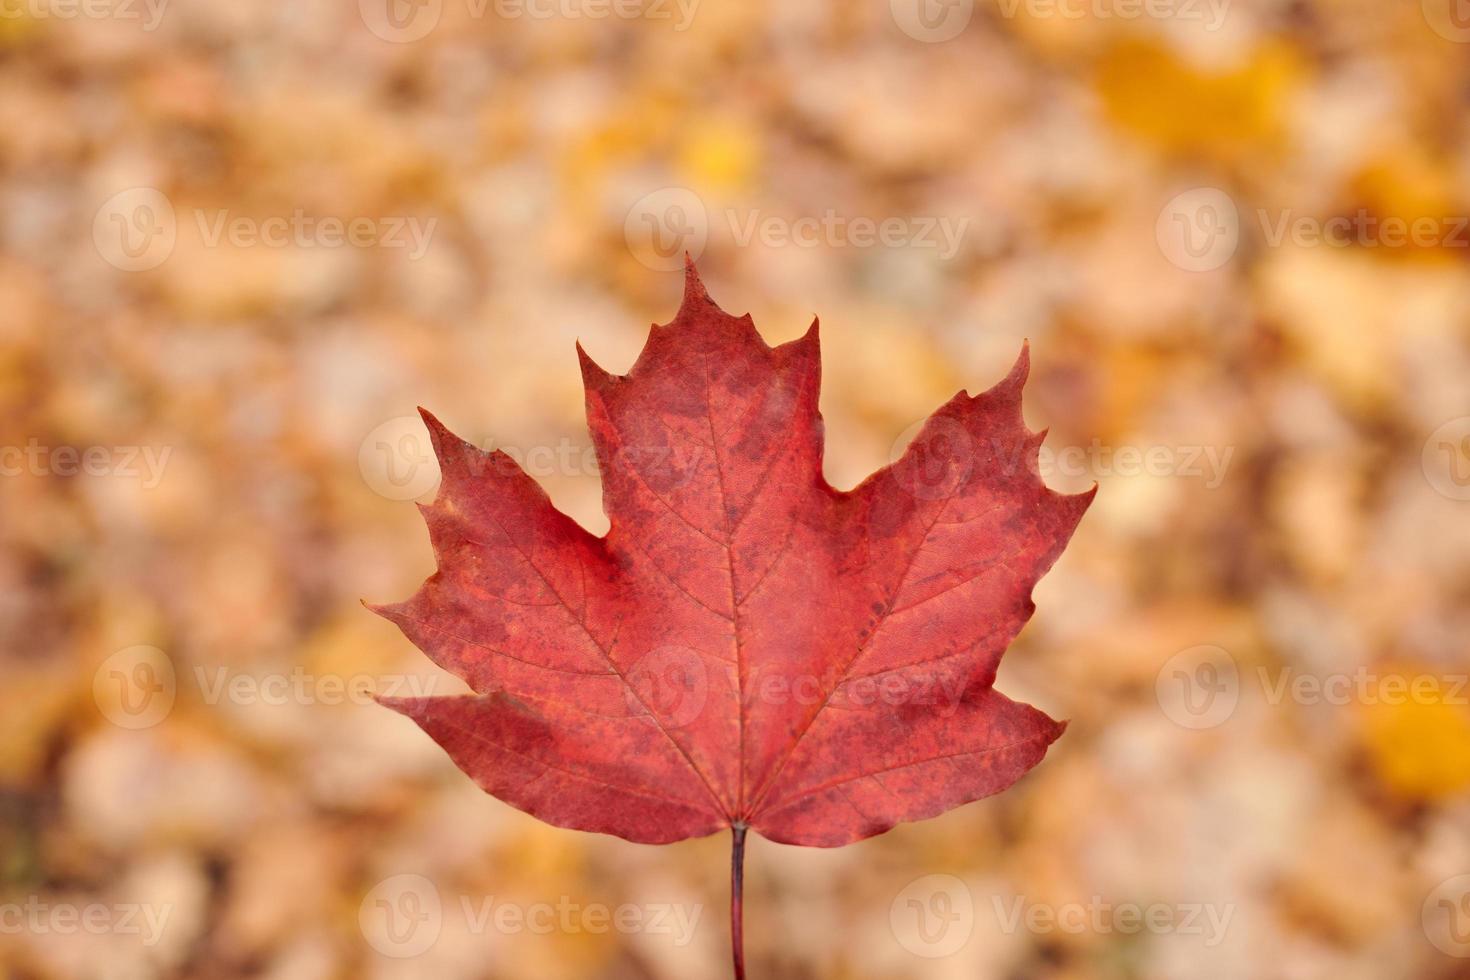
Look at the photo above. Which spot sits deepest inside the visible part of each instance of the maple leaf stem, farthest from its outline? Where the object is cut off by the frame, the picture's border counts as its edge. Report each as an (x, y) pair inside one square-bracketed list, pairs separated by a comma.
[(737, 896)]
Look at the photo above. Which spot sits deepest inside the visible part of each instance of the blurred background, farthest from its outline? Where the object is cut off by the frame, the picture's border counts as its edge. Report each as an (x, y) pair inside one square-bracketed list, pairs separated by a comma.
[(241, 241)]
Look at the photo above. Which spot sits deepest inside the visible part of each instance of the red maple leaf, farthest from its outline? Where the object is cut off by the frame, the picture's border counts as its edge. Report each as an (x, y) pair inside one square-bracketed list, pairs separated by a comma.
[(746, 647)]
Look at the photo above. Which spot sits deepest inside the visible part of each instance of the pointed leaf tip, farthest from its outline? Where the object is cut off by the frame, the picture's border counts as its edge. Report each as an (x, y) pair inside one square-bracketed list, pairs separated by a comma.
[(1021, 370), (594, 376), (694, 291)]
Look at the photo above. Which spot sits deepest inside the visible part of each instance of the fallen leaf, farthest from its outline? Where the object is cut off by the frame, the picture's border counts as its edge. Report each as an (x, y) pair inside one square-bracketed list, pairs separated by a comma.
[(747, 647)]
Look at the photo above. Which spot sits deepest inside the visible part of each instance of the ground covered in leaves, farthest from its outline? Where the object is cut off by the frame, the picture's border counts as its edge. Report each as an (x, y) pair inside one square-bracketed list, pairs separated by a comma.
[(208, 462)]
